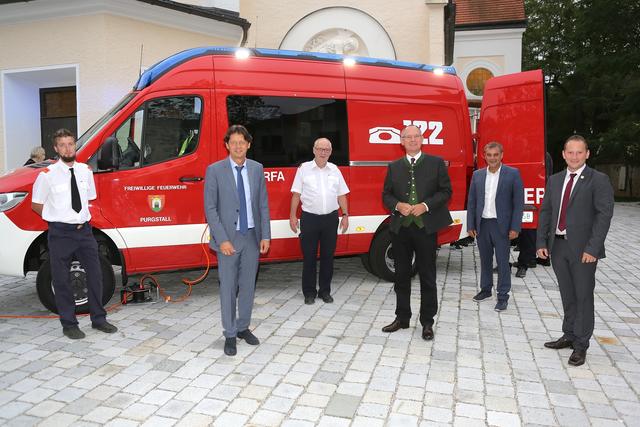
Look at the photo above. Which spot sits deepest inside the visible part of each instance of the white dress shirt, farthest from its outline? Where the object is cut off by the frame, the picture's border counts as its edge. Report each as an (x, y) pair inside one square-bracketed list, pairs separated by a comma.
[(53, 190), (247, 191), (319, 188), (490, 190), (567, 177)]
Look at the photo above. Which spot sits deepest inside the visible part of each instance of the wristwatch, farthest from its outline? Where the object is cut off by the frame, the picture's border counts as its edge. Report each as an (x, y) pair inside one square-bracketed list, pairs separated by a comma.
[(345, 214)]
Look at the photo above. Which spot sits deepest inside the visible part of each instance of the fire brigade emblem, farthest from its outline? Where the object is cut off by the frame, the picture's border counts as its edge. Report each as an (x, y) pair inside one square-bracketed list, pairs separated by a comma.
[(156, 203)]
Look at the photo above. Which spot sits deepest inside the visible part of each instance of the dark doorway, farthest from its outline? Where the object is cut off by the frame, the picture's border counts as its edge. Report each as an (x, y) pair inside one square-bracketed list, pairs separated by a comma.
[(57, 110)]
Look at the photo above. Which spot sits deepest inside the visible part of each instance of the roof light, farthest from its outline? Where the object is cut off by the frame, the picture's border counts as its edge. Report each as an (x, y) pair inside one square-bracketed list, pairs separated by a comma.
[(349, 62), (438, 71), (243, 53)]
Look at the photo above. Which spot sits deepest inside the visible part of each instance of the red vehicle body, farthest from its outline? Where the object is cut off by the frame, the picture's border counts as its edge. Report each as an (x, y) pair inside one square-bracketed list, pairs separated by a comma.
[(150, 152)]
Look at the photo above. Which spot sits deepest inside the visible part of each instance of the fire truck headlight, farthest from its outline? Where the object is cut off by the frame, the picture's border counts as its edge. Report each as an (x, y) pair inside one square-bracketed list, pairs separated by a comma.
[(10, 200)]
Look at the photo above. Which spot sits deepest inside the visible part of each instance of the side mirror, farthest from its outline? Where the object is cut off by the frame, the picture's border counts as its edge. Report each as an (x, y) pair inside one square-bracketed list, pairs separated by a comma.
[(110, 154)]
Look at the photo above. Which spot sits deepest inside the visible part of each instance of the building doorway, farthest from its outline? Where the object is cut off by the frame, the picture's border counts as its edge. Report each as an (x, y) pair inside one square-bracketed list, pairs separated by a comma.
[(57, 110)]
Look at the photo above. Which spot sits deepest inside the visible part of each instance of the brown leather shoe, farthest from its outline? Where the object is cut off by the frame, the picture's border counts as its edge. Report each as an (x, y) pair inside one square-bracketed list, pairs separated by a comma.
[(427, 333), (578, 357), (395, 325), (558, 344)]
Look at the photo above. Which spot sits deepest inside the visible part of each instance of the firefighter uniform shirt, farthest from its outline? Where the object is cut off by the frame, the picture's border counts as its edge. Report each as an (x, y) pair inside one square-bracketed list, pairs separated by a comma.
[(319, 188), (53, 190)]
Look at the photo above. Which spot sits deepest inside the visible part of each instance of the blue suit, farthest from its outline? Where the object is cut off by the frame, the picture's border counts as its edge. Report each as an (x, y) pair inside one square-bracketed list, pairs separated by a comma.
[(493, 234), (237, 272)]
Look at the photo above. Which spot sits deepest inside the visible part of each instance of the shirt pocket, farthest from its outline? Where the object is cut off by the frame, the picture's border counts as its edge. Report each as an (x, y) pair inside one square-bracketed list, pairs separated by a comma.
[(61, 194), (333, 182)]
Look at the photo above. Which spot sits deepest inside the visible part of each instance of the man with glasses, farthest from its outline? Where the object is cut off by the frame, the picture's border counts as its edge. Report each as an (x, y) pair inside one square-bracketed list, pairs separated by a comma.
[(320, 187), (416, 191)]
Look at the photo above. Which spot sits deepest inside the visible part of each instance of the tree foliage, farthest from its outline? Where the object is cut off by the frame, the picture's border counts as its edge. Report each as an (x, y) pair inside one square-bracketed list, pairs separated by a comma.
[(589, 51)]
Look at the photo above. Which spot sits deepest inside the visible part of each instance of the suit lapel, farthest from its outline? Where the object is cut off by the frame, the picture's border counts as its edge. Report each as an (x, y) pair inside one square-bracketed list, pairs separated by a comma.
[(230, 179), (581, 181), (481, 186)]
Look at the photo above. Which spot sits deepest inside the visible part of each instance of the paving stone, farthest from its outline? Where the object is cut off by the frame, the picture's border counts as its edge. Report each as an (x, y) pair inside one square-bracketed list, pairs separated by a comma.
[(329, 364)]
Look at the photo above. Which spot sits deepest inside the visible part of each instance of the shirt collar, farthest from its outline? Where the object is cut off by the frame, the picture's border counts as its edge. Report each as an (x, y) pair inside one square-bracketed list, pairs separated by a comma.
[(234, 164), (62, 165), (496, 172), (417, 156), (578, 172)]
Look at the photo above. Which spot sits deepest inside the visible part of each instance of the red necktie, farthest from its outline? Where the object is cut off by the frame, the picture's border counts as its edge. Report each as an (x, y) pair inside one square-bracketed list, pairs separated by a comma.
[(562, 224)]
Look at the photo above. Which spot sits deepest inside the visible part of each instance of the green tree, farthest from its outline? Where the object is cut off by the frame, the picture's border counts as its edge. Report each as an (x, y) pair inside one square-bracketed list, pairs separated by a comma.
[(589, 51)]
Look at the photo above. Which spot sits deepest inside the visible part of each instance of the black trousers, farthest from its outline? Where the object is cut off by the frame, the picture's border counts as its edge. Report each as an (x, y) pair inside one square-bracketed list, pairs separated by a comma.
[(65, 242), (318, 230), (406, 242), (527, 244), (577, 281)]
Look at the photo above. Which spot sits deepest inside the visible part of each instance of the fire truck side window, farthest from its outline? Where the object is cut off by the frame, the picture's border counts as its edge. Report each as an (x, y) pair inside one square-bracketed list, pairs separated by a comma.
[(171, 128), (162, 129), (284, 129)]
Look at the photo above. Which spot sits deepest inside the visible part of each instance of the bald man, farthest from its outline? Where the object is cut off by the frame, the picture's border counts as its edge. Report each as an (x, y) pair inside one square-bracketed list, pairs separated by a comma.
[(321, 188)]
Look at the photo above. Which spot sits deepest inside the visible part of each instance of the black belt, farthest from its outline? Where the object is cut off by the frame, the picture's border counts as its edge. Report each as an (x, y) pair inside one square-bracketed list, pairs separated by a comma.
[(65, 226), (330, 213), (561, 236)]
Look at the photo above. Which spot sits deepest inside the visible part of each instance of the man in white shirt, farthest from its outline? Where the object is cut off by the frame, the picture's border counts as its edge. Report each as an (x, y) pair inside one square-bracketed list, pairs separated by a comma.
[(61, 196), (320, 186), (494, 217)]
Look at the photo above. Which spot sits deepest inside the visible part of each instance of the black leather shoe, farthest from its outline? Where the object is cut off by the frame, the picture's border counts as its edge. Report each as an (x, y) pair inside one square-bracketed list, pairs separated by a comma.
[(395, 325), (327, 298), (105, 327), (248, 337), (73, 332), (309, 300), (481, 296), (522, 272), (230, 347), (558, 344), (578, 357), (427, 333)]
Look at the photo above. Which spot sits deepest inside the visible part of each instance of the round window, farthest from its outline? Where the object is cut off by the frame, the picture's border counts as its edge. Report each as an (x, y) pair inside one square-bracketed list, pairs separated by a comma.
[(476, 80)]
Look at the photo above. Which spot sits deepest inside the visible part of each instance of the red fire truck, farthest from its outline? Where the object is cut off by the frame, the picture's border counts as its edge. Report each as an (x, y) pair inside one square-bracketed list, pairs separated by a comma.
[(150, 152)]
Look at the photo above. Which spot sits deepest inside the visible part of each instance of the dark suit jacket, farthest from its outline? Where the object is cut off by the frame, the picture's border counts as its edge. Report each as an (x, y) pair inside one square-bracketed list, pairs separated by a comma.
[(588, 214), (433, 188), (509, 200), (221, 201)]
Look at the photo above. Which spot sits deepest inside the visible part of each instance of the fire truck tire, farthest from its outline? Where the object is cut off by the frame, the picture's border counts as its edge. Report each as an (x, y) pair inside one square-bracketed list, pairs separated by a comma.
[(366, 263), (381, 257), (44, 285)]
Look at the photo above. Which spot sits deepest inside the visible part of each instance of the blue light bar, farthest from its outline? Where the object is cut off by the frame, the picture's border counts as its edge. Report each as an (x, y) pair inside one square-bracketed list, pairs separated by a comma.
[(158, 69)]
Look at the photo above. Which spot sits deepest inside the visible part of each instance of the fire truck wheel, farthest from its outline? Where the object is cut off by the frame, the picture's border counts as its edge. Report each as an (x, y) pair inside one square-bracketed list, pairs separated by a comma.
[(366, 263), (44, 285), (381, 257)]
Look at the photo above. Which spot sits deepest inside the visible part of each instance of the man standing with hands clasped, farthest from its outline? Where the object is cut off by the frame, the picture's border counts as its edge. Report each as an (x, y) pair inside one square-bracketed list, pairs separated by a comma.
[(416, 190), (321, 188), (494, 217), (237, 211), (61, 196), (574, 222)]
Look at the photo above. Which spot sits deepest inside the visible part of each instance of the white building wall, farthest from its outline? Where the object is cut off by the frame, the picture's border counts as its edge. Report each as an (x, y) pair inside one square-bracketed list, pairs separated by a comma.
[(498, 50)]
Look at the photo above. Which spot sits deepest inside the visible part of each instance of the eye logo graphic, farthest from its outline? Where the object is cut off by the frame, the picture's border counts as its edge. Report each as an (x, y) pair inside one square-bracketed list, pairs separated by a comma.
[(156, 202)]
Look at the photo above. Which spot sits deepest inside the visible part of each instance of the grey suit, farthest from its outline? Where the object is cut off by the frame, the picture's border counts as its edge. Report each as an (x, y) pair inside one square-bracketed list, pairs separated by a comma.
[(589, 215), (237, 272)]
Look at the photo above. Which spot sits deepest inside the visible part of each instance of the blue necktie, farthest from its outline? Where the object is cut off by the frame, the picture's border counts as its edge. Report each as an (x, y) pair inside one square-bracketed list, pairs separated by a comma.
[(243, 202)]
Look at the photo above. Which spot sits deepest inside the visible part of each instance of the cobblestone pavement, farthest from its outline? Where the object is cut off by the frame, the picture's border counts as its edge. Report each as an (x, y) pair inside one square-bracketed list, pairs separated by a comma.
[(330, 364)]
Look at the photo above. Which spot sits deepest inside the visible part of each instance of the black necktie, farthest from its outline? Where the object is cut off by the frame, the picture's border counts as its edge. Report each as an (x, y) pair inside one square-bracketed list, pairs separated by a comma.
[(76, 204)]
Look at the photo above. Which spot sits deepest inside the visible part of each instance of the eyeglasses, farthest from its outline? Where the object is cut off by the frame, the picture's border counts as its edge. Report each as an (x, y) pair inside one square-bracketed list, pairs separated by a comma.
[(411, 137), (324, 150)]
